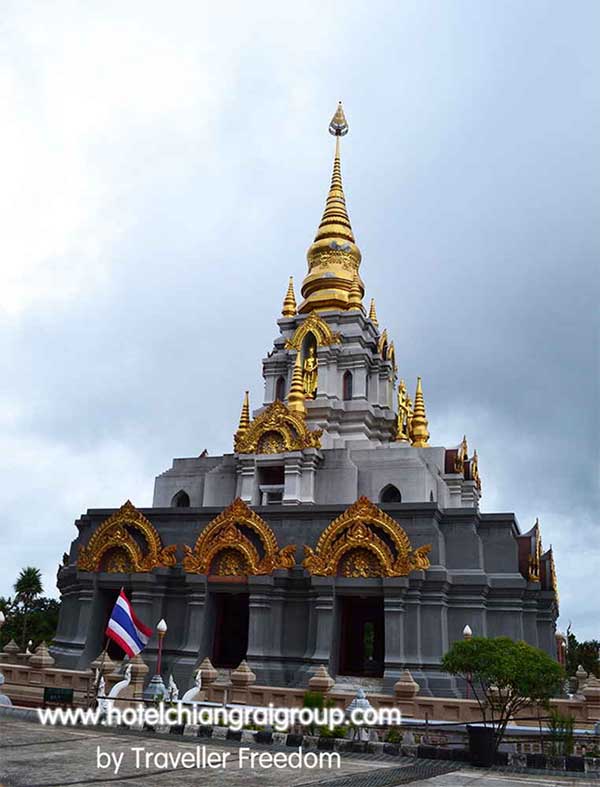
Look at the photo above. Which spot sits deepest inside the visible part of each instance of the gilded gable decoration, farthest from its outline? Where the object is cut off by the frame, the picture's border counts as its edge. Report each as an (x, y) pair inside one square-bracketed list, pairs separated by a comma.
[(382, 344), (114, 547), (535, 556), (276, 430), (462, 455), (237, 542), (319, 329), (364, 541), (474, 470)]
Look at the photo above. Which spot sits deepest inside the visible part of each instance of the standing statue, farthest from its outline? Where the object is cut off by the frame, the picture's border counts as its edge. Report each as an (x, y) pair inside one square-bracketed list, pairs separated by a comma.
[(173, 690), (309, 373), (404, 413)]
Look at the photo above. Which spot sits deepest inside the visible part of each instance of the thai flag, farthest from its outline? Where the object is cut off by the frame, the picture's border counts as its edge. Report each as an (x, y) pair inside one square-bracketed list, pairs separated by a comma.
[(125, 629)]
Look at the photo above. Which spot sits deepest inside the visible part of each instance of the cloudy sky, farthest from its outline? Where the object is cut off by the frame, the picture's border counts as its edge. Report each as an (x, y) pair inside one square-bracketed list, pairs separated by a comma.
[(164, 168)]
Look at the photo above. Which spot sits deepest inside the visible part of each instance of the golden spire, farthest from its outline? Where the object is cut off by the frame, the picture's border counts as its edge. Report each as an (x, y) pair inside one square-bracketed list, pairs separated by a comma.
[(289, 302), (355, 296), (418, 424), (296, 396), (334, 257), (373, 313), (244, 415)]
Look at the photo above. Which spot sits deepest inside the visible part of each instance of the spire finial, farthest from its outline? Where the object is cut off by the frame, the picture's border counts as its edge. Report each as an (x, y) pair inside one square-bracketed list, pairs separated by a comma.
[(355, 296), (245, 414), (339, 125), (373, 314), (334, 257), (296, 395), (289, 302), (419, 434)]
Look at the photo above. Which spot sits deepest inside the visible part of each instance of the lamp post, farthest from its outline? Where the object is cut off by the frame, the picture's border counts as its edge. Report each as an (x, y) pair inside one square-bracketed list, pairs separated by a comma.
[(4, 700), (161, 630), (156, 689), (467, 635)]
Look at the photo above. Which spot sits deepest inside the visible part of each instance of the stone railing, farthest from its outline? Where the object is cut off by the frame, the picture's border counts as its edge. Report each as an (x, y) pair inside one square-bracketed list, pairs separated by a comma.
[(26, 676)]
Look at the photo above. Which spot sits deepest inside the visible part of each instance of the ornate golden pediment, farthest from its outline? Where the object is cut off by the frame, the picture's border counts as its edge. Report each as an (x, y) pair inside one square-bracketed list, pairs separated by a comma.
[(237, 541), (364, 541), (320, 330), (115, 539), (275, 431)]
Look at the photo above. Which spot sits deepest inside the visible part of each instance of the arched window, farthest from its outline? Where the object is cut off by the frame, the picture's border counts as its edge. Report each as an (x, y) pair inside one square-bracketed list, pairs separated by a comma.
[(347, 386), (181, 500), (280, 389), (390, 494)]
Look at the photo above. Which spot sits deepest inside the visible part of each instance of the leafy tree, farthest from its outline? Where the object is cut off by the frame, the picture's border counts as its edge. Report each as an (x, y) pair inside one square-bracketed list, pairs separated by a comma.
[(27, 588), (560, 727), (586, 653), (41, 623), (504, 676)]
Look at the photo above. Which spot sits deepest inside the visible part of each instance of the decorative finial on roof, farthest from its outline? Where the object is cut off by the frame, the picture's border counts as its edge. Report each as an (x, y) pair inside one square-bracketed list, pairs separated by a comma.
[(339, 125), (334, 257), (289, 302), (373, 314), (419, 434), (355, 296), (244, 415), (296, 395)]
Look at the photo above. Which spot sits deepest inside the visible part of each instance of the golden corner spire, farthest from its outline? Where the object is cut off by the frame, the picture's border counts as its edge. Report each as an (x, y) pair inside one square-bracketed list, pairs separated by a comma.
[(244, 415), (419, 434), (373, 313), (334, 257), (289, 302), (355, 296), (296, 396)]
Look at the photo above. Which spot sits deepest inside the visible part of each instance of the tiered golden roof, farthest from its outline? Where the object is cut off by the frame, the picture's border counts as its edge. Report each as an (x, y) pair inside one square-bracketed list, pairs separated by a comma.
[(334, 257)]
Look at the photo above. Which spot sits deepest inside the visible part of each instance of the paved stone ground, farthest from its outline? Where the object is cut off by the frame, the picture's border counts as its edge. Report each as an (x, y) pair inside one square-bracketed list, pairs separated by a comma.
[(36, 756)]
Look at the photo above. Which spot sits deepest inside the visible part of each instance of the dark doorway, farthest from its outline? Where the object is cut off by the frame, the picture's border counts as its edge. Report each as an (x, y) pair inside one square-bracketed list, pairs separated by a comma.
[(231, 629), (181, 500), (362, 637), (390, 494)]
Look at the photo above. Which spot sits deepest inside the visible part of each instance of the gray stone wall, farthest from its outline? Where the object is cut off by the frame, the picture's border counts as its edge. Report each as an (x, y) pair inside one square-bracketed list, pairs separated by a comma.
[(295, 618)]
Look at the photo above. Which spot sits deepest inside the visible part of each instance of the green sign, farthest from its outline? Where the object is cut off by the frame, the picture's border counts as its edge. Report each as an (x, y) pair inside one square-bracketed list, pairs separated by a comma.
[(61, 696)]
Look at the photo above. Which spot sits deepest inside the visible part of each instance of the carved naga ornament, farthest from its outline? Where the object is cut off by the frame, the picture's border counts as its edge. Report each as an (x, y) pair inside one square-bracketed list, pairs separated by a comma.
[(364, 541), (114, 547), (237, 542)]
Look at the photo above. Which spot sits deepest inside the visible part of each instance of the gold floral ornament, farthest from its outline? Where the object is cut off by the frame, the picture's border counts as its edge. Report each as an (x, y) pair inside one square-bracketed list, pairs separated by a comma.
[(276, 430), (314, 324), (125, 542), (364, 541), (237, 542)]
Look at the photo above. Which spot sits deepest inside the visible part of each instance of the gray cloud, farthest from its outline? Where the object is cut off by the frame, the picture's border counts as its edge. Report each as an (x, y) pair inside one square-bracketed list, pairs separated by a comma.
[(166, 173)]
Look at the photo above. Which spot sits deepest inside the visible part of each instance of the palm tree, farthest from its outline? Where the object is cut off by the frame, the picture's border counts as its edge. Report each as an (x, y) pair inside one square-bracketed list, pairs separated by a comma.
[(27, 587)]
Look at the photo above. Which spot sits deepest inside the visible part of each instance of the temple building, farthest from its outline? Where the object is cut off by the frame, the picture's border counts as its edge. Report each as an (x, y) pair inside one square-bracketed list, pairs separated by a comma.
[(335, 533)]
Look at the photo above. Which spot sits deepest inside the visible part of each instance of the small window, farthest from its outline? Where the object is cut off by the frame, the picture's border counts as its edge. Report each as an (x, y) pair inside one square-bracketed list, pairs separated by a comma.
[(390, 494), (181, 500), (280, 389), (347, 386)]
